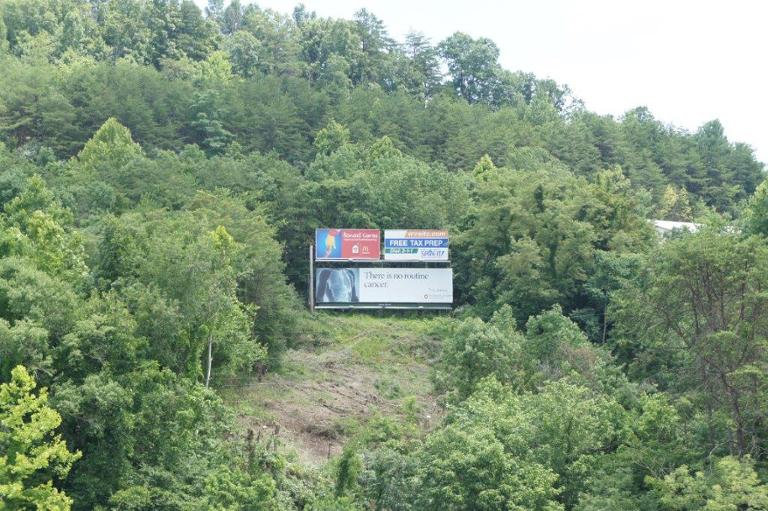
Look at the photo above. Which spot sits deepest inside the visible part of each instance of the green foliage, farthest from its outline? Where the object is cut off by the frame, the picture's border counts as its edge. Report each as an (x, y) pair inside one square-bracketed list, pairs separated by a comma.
[(474, 350), (511, 451), (197, 277), (27, 293), (347, 472), (552, 348), (73, 66), (3, 37), (473, 64), (32, 455), (731, 484), (35, 228), (109, 148), (656, 438), (122, 343), (551, 331), (162, 171), (483, 167), (702, 299), (533, 238), (675, 205), (25, 342), (470, 470), (331, 138), (104, 339), (561, 428), (757, 211)]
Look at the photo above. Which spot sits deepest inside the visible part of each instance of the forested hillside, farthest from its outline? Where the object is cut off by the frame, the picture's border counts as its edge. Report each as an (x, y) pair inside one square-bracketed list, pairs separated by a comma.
[(162, 170)]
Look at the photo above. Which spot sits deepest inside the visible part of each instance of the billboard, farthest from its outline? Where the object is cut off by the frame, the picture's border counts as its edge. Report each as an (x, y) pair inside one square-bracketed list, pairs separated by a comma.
[(343, 287), (345, 244), (415, 245)]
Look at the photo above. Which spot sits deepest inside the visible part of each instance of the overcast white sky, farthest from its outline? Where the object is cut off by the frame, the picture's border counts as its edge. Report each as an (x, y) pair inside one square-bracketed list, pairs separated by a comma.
[(688, 61)]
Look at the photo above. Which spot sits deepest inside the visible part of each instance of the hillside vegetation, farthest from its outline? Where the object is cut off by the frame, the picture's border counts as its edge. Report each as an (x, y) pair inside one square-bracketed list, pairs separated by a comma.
[(162, 170), (351, 372)]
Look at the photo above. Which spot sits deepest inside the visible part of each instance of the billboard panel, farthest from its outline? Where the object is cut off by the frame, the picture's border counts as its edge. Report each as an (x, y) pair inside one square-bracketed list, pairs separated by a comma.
[(415, 245), (381, 286), (345, 244)]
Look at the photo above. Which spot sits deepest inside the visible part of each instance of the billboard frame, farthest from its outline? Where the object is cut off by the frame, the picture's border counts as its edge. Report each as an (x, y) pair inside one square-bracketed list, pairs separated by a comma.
[(316, 264), (375, 305), (388, 306)]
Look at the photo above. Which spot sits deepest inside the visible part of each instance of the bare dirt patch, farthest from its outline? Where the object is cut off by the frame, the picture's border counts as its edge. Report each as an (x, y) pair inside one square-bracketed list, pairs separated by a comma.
[(324, 393)]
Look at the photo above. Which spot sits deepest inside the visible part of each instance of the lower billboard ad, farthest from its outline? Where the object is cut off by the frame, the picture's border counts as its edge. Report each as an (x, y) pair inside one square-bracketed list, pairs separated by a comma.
[(381, 287)]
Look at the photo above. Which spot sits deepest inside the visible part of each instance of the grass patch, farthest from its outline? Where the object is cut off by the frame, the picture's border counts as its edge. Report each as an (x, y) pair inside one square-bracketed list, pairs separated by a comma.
[(388, 388), (293, 371), (375, 340)]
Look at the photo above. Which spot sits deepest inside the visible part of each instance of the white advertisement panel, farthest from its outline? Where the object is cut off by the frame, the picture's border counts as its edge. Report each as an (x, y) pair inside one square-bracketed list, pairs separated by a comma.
[(415, 245), (406, 285), (348, 286)]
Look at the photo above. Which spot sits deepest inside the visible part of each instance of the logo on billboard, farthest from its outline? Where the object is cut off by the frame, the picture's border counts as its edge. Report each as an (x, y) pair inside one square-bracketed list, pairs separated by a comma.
[(343, 244), (415, 245)]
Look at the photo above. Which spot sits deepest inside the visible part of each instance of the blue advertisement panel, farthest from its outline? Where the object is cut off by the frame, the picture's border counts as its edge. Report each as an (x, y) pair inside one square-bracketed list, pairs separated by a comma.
[(415, 245)]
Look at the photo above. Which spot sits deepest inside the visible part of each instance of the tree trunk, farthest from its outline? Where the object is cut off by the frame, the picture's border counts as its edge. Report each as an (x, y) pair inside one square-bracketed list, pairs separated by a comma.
[(210, 360)]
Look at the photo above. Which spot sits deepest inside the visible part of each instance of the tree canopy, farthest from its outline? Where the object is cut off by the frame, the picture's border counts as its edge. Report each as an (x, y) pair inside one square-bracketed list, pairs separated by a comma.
[(162, 170)]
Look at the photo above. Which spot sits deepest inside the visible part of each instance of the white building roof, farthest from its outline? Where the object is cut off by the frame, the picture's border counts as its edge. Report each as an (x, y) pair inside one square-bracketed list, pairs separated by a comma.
[(667, 226)]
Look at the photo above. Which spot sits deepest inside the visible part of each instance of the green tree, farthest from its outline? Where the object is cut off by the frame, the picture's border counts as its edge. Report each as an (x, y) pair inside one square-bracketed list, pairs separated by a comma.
[(332, 50), (34, 108), (701, 298), (561, 429), (376, 46), (756, 215), (730, 484), (24, 342), (675, 205), (533, 238), (196, 37), (244, 53), (32, 454), (105, 339), (347, 471), (423, 65), (474, 350), (3, 38), (28, 294), (331, 138), (485, 165), (196, 274), (278, 41), (126, 31), (473, 66), (469, 469), (656, 439), (38, 228), (209, 131), (110, 147)]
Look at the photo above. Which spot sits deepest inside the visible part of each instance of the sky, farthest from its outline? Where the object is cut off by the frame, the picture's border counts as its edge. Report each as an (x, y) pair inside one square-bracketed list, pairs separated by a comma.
[(687, 61)]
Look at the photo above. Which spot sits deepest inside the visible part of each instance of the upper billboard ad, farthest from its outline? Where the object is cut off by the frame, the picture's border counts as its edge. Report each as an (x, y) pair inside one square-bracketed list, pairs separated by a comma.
[(415, 245), (347, 244)]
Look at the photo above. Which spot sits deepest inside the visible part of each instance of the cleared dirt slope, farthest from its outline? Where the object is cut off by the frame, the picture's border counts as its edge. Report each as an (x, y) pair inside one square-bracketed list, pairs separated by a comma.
[(346, 369)]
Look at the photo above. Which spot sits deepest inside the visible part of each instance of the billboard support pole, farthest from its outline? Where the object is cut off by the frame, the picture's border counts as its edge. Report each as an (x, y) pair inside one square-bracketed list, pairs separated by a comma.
[(311, 278)]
